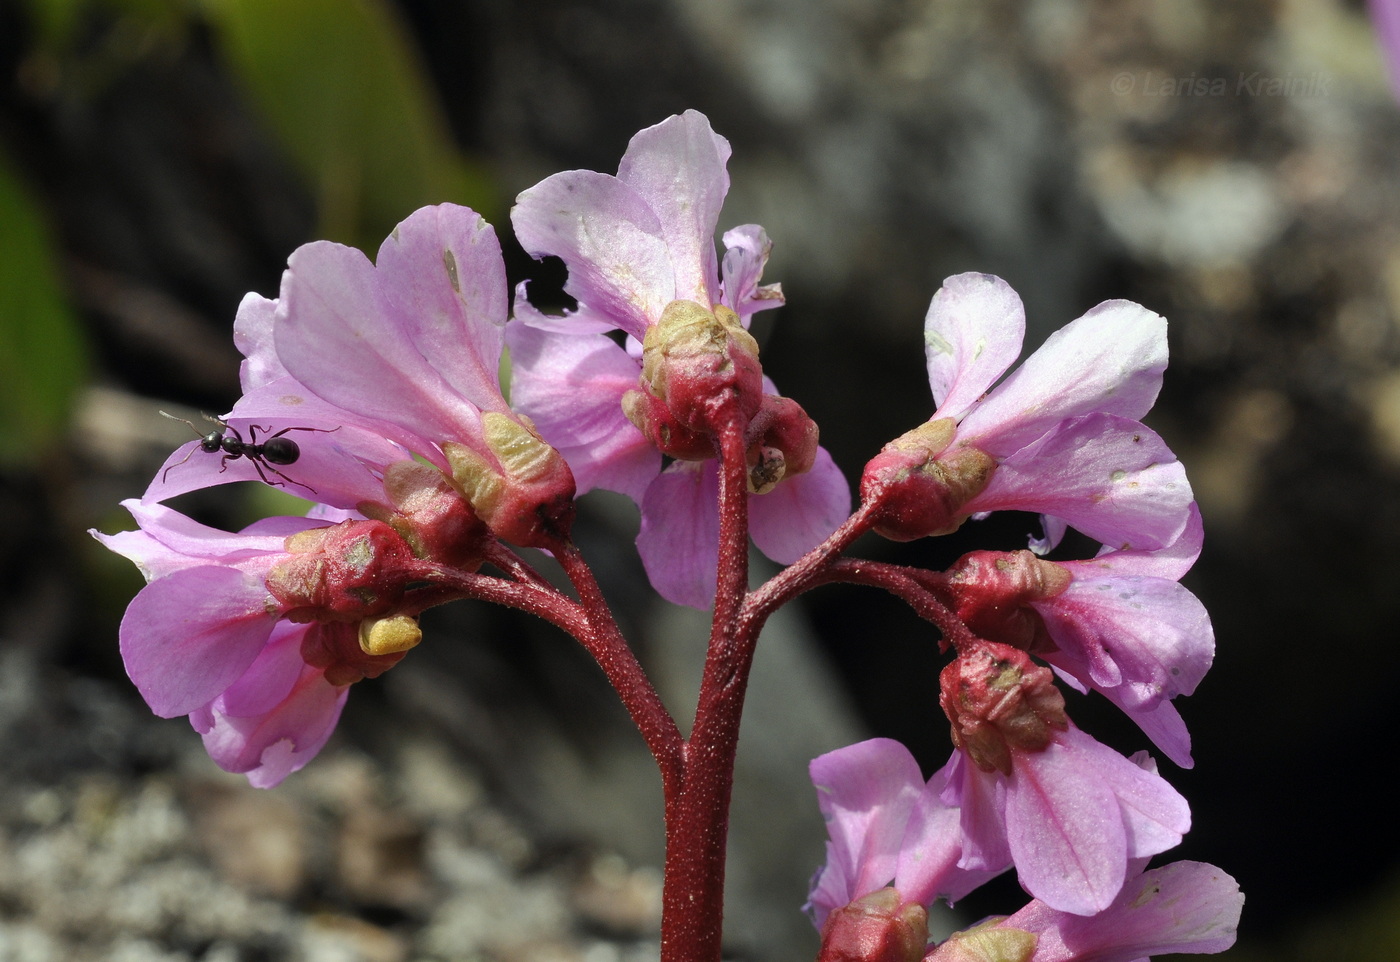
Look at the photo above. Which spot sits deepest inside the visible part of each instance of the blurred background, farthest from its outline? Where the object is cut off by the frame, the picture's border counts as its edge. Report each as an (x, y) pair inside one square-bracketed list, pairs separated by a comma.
[(1231, 166)]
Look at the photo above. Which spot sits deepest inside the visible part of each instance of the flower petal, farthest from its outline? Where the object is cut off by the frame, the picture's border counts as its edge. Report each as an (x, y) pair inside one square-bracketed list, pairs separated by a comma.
[(571, 386), (972, 334), (188, 636), (269, 743), (169, 541), (610, 240), (746, 254), (1065, 828), (442, 274), (866, 792), (339, 461), (1109, 361), (931, 847), (801, 512), (678, 168), (1163, 724), (1182, 907), (679, 539), (1149, 635), (253, 336), (338, 334), (1111, 478), (1172, 561)]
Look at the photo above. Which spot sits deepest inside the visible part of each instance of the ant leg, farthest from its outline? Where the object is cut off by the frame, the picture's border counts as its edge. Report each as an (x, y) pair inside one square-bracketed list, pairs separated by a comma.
[(285, 480)]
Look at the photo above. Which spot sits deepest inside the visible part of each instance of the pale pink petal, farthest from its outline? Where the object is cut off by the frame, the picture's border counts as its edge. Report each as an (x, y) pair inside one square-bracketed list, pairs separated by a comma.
[(339, 461), (1155, 815), (337, 334), (571, 386), (610, 240), (188, 636), (1109, 361), (583, 320), (444, 280), (1182, 907), (678, 168), (746, 254), (1171, 562), (679, 539), (1111, 478), (1065, 829), (972, 334), (1163, 724), (252, 335), (801, 512), (981, 800), (271, 676), (271, 742), (169, 541), (866, 792), (931, 847), (1149, 635)]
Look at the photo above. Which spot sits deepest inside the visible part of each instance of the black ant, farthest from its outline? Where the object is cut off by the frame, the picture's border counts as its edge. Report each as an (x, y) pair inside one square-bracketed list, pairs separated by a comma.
[(272, 450)]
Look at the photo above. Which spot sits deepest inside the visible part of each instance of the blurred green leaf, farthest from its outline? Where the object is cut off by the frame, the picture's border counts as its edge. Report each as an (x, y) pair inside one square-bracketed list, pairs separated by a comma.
[(342, 87), (143, 24), (43, 356)]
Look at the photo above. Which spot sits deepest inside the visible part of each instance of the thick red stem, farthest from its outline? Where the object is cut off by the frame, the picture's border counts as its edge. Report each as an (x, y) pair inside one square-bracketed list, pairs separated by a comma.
[(697, 817)]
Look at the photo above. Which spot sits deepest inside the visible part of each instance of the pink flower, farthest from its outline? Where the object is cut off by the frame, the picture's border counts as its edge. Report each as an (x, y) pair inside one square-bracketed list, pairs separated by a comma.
[(1071, 817), (1125, 628), (372, 364), (205, 637), (887, 826), (635, 243), (1119, 624), (1058, 436), (206, 613), (1034, 790)]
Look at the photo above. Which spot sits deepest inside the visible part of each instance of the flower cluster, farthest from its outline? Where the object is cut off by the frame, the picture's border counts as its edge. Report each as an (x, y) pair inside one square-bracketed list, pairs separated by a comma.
[(373, 388), (1025, 787)]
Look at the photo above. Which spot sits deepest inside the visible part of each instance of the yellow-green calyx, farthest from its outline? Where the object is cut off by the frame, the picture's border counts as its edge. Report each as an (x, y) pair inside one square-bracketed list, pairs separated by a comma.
[(523, 490), (702, 365), (987, 943)]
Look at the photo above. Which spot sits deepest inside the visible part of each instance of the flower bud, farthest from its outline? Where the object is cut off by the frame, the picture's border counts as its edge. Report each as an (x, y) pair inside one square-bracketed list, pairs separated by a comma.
[(992, 591), (526, 497), (917, 486), (786, 444), (345, 572), (655, 420), (338, 650), (879, 927), (1000, 702), (432, 515), (703, 366)]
